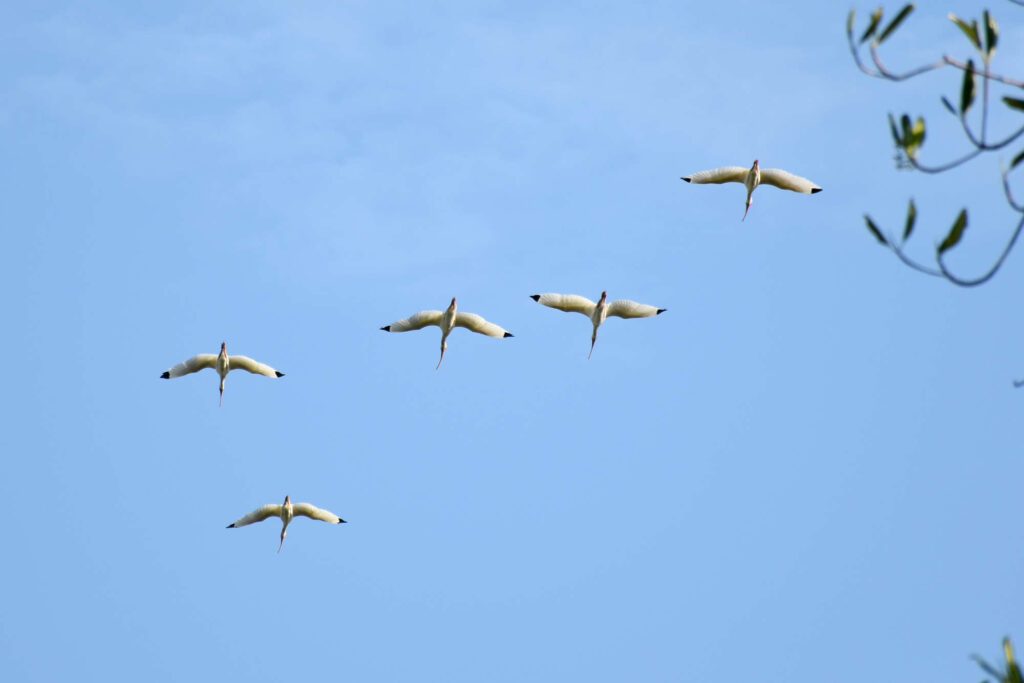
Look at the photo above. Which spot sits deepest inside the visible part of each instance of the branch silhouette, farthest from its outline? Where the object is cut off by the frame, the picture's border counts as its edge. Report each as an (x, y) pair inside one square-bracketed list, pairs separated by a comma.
[(909, 135)]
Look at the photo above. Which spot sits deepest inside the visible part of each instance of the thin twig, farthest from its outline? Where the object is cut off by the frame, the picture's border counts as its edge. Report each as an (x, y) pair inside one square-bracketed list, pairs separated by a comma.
[(911, 262), (992, 271), (945, 167), (881, 71), (995, 77), (1009, 193)]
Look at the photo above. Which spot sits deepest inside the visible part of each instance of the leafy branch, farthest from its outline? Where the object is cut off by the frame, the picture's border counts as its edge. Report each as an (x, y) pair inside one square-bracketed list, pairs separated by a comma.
[(1011, 672), (909, 136)]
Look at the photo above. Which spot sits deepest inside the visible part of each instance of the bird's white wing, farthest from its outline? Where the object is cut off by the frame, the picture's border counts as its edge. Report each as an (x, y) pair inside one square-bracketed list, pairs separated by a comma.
[(258, 515), (313, 512), (726, 174), (474, 323), (415, 322), (249, 365), (570, 303), (624, 308), (193, 364), (787, 181)]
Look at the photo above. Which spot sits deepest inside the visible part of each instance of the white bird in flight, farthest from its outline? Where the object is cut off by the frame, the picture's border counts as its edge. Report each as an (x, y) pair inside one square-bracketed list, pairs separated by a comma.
[(223, 364), (287, 512), (573, 303), (447, 321), (753, 177)]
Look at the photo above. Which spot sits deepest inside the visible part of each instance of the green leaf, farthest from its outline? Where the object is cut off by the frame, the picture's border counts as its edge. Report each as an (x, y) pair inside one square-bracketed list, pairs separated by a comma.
[(991, 34), (949, 106), (907, 9), (1016, 160), (874, 230), (1013, 674), (911, 217), (876, 17), (967, 88), (1014, 103), (955, 233), (915, 138), (986, 667), (897, 140), (970, 30)]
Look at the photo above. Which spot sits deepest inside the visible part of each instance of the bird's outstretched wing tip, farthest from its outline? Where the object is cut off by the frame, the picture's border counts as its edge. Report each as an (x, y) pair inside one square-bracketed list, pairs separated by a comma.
[(815, 190), (508, 334), (535, 297), (341, 521), (279, 374), (386, 328), (686, 178), (660, 311), (166, 375), (230, 526)]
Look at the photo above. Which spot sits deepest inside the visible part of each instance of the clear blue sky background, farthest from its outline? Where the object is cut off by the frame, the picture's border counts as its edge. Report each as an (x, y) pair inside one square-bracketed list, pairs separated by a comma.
[(808, 469)]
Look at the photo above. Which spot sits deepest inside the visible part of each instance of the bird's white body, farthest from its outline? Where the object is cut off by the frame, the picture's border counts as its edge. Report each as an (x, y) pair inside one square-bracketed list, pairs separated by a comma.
[(286, 511), (223, 364), (597, 312), (752, 177), (447, 320)]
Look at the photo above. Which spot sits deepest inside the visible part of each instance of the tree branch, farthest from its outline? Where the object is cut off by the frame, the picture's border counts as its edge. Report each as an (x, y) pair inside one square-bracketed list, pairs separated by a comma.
[(910, 140), (881, 71), (992, 271)]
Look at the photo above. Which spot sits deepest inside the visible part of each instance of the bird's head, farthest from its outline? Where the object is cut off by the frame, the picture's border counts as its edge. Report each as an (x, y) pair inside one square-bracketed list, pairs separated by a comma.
[(604, 295), (287, 500), (453, 302), (223, 347), (755, 163)]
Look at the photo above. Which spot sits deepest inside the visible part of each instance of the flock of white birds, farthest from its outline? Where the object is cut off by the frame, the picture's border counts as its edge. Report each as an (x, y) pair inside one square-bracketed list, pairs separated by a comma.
[(451, 318)]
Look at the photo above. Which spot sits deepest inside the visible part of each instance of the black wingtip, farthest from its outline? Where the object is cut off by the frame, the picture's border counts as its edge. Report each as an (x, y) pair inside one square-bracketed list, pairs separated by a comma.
[(535, 297), (816, 190), (230, 526), (508, 334), (386, 328), (660, 311), (687, 178), (341, 521), (166, 375), (279, 374)]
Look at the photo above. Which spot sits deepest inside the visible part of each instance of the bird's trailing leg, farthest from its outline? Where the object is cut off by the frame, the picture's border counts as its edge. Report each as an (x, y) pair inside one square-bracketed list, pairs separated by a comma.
[(283, 532), (750, 201), (444, 345), (221, 402), (592, 340)]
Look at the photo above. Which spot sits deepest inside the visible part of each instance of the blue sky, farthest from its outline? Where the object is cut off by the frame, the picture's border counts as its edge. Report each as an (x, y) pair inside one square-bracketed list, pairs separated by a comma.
[(808, 468)]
